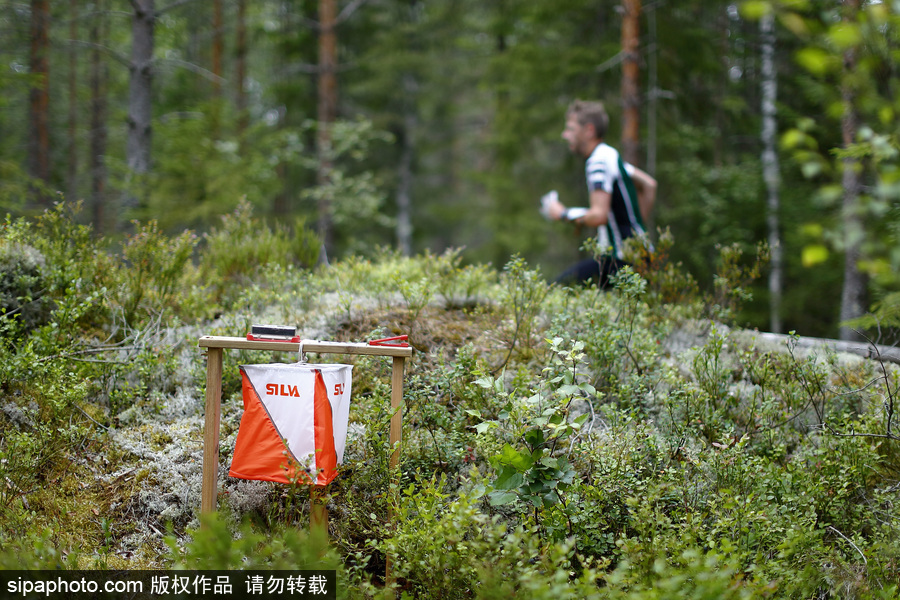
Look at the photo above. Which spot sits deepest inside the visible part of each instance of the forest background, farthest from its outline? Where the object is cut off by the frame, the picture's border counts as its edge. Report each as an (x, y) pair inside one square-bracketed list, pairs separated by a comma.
[(173, 170), (429, 125)]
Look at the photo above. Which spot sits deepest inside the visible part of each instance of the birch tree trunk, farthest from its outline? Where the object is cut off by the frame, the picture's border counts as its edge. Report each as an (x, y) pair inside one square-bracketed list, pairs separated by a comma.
[(631, 100), (853, 293), (771, 175)]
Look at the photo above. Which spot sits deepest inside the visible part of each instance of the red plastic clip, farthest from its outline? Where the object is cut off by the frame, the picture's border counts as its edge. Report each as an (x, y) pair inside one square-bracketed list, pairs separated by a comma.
[(259, 338), (399, 341)]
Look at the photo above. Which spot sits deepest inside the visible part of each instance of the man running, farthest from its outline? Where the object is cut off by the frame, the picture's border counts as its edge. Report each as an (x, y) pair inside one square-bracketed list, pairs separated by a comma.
[(621, 195)]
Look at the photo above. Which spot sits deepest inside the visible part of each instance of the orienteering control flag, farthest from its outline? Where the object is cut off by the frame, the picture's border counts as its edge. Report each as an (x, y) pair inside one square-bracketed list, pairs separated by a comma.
[(294, 426)]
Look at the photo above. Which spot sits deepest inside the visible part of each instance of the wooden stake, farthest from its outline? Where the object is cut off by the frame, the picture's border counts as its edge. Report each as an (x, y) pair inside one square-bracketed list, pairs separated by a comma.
[(211, 429), (396, 438), (318, 510), (396, 417)]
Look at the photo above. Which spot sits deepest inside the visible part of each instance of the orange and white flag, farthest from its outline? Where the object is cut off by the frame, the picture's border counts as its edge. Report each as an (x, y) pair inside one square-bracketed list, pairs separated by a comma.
[(294, 426)]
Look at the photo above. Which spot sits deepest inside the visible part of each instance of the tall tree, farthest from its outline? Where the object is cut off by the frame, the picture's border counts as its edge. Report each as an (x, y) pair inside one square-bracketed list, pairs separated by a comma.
[(771, 176), (72, 133), (97, 140), (631, 99), (405, 166), (218, 49), (240, 56), (140, 96), (39, 116), (853, 294), (218, 46), (327, 110)]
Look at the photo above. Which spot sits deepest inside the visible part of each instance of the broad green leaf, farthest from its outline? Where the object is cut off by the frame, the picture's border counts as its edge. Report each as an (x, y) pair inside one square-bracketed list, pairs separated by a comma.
[(502, 498), (753, 10), (534, 437), (569, 390), (794, 23), (845, 35), (485, 382), (510, 456), (794, 138), (814, 254), (508, 479), (830, 194), (876, 266), (811, 168), (815, 60)]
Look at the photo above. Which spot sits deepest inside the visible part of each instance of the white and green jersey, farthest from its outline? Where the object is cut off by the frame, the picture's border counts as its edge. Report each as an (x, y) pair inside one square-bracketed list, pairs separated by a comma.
[(605, 170)]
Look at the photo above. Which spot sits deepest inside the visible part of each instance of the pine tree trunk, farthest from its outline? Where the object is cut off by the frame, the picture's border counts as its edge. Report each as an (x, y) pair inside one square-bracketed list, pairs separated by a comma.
[(39, 97), (98, 116), (771, 175), (241, 69), (72, 158), (218, 47), (405, 169), (327, 109), (631, 100)]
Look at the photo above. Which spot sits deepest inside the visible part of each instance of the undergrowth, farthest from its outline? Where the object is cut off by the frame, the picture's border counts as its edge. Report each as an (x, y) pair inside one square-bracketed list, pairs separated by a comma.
[(557, 443)]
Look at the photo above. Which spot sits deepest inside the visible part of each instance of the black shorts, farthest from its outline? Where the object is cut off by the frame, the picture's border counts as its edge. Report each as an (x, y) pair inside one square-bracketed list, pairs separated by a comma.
[(591, 270)]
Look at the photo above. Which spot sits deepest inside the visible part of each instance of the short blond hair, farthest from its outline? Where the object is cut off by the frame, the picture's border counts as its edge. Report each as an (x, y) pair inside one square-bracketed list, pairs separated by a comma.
[(590, 113)]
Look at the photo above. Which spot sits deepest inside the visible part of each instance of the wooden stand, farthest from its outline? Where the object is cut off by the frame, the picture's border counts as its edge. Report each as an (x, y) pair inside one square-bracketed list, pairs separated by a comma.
[(215, 348)]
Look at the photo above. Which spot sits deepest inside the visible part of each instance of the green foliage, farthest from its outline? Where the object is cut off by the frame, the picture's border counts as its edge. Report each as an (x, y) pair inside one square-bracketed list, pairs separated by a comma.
[(36, 550), (536, 434), (732, 279), (524, 290), (695, 574), (23, 288), (352, 195), (668, 283), (883, 321), (201, 173), (457, 285), (154, 266), (235, 253), (607, 459), (847, 58), (446, 543), (217, 546)]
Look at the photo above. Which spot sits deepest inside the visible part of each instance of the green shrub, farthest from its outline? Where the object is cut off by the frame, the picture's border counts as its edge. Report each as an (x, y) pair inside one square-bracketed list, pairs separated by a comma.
[(445, 546), (234, 254), (155, 265), (216, 545), (523, 292), (35, 550), (24, 289)]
